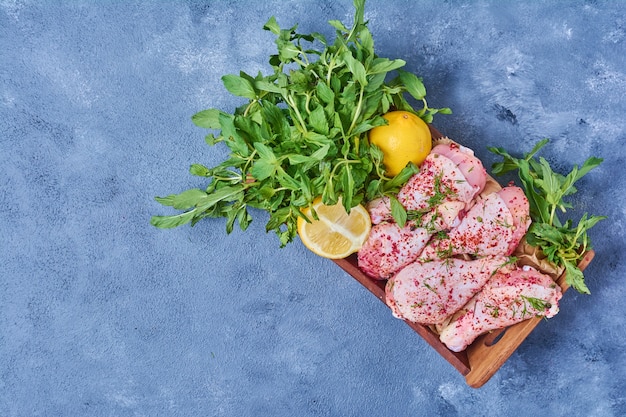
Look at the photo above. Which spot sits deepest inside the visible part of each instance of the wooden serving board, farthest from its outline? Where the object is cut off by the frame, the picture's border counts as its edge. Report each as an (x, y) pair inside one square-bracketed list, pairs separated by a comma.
[(482, 359)]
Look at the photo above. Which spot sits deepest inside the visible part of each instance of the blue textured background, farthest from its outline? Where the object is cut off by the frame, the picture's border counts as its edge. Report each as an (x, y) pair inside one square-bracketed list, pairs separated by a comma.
[(103, 315)]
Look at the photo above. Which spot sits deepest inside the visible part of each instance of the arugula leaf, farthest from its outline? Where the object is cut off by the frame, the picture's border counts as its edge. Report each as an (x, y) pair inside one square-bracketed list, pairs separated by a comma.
[(575, 278), (302, 134), (562, 243)]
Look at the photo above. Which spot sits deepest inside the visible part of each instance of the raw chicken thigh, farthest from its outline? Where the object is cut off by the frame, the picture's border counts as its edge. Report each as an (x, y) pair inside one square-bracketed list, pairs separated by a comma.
[(506, 299), (432, 291), (495, 225)]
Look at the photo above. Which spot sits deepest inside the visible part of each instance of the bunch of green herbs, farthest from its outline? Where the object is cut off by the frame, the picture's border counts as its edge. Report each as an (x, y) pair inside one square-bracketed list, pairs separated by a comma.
[(302, 132), (563, 242)]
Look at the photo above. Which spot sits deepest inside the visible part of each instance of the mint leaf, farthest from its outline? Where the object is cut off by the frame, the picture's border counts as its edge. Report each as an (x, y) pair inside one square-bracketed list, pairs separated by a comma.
[(384, 65), (398, 212), (199, 170), (208, 119), (272, 26), (356, 67), (318, 120), (168, 222), (239, 86), (413, 84), (338, 25)]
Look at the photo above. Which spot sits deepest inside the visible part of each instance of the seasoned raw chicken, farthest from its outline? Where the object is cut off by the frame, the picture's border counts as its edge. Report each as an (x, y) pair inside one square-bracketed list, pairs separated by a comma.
[(389, 248), (465, 180), (506, 299), (493, 226), (429, 292), (449, 178), (449, 173), (379, 210)]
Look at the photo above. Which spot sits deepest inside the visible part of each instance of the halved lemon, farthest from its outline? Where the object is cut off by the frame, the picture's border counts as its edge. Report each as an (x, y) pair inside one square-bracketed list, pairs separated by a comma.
[(335, 234)]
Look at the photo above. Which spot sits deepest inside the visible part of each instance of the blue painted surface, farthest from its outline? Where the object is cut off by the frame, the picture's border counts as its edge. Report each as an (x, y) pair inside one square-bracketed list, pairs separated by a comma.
[(103, 315)]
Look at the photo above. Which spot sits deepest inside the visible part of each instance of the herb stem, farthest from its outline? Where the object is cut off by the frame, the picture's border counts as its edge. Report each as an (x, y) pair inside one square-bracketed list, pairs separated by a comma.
[(248, 107), (552, 214), (341, 162), (249, 161), (307, 102), (294, 107), (357, 111), (331, 66), (306, 58)]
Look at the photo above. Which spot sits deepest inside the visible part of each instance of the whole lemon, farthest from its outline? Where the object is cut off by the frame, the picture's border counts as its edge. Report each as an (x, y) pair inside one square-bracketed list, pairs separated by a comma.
[(406, 138)]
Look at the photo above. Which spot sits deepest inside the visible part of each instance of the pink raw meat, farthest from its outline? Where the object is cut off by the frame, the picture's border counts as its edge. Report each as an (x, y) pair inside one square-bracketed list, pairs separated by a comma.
[(429, 292), (449, 173), (493, 226), (506, 299)]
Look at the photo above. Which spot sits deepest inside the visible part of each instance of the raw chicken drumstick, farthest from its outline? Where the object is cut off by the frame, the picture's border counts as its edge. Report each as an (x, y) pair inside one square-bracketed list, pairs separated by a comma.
[(449, 173), (495, 225), (506, 299), (389, 247), (432, 291)]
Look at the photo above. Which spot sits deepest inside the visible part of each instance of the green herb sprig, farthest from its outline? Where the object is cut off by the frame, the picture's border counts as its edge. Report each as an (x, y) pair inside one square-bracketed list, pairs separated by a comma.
[(302, 132), (563, 243)]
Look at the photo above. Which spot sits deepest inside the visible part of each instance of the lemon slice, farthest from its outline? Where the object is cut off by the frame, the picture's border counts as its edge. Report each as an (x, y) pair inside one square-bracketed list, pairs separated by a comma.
[(335, 234)]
